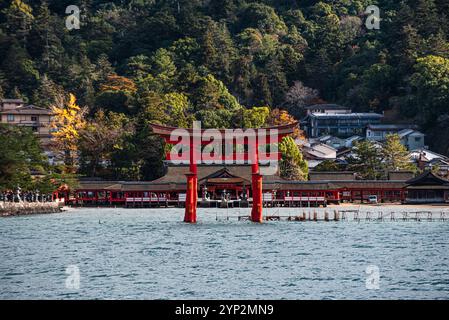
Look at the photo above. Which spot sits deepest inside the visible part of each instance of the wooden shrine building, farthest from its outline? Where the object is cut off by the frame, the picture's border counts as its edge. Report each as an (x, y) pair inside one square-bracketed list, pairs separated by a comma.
[(427, 188)]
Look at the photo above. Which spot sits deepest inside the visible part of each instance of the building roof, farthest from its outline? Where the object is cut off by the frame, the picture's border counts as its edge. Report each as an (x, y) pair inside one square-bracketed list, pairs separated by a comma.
[(11, 101), (303, 185), (427, 178), (426, 155), (330, 176), (390, 127), (313, 163), (344, 152), (268, 184), (372, 184), (365, 115), (177, 174), (224, 176), (326, 139), (407, 132), (30, 109), (326, 106), (353, 138), (320, 151), (100, 185), (151, 186), (401, 175)]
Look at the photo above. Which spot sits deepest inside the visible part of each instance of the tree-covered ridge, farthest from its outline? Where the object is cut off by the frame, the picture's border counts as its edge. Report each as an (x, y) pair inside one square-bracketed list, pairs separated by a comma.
[(173, 61)]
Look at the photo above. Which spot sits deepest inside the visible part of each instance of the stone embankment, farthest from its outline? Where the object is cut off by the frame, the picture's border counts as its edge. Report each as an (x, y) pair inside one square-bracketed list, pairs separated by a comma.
[(27, 208)]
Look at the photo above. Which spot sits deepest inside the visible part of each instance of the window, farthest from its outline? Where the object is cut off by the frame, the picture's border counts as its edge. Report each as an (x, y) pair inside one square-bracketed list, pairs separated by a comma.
[(34, 129), (10, 118), (34, 118), (417, 139)]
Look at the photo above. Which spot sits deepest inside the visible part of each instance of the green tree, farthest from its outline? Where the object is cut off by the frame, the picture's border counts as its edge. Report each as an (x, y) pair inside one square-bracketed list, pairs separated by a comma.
[(292, 165), (255, 117), (219, 52), (47, 93), (45, 41), (367, 161), (20, 69), (395, 155), (163, 70), (327, 166), (426, 17), (19, 17), (21, 156), (211, 94), (177, 106), (430, 83), (100, 138), (263, 17)]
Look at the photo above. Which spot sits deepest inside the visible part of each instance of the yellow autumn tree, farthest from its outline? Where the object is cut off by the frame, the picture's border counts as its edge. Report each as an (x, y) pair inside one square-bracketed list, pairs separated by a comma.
[(116, 83), (22, 7), (280, 117), (67, 120)]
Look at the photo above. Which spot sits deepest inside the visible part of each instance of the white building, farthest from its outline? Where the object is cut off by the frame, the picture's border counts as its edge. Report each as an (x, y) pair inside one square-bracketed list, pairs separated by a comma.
[(379, 132), (412, 139)]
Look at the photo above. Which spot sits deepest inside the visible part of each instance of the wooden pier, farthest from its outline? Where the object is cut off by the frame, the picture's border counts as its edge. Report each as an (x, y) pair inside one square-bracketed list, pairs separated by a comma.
[(351, 215)]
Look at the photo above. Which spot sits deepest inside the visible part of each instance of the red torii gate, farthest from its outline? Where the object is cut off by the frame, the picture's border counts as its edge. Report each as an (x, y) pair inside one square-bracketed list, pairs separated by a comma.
[(192, 136)]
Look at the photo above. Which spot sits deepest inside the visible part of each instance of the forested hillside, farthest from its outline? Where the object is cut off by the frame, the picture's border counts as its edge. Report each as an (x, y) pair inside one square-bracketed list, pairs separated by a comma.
[(137, 61)]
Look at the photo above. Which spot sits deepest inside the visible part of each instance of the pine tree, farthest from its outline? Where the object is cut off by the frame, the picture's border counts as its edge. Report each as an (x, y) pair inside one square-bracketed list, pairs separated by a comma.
[(438, 45), (277, 80), (103, 70), (426, 17), (395, 155), (47, 93), (19, 17), (367, 161), (262, 93), (218, 50), (45, 41)]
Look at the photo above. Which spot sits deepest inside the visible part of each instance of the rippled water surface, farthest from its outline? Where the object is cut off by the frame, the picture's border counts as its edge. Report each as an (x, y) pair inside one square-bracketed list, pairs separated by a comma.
[(151, 254)]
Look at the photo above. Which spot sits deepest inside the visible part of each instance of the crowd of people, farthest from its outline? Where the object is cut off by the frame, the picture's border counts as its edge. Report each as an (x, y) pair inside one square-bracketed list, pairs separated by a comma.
[(27, 196)]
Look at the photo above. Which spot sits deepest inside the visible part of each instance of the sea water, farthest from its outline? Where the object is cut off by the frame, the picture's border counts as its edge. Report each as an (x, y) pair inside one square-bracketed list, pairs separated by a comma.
[(152, 254)]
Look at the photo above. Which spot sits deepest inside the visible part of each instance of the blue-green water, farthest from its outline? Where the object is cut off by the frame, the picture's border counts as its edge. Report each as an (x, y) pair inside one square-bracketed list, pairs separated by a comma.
[(151, 254)]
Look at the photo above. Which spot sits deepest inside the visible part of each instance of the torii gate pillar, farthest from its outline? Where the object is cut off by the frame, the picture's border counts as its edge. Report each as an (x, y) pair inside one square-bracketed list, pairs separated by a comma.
[(192, 187), (256, 212), (191, 198)]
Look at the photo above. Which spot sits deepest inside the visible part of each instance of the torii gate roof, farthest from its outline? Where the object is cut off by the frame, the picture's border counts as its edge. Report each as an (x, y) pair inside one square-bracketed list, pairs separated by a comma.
[(166, 131)]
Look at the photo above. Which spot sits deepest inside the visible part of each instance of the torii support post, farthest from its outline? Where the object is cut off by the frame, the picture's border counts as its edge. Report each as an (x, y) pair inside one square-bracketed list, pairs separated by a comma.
[(256, 212), (190, 212), (192, 187)]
